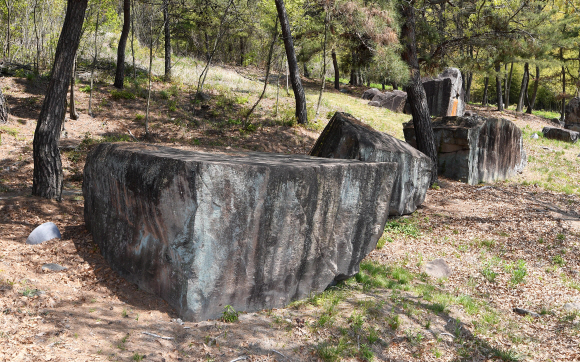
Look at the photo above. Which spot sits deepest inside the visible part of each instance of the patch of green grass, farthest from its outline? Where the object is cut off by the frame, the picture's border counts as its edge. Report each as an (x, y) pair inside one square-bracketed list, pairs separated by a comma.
[(469, 305), (9, 130), (519, 272), (138, 357), (488, 273), (85, 89), (118, 94), (406, 227), (558, 260), (393, 321), (164, 94), (506, 355), (117, 138), (29, 292), (229, 314)]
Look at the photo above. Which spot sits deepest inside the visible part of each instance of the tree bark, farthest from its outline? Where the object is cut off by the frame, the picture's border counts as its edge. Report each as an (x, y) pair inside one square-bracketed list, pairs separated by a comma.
[(306, 71), (484, 100), (47, 177), (242, 51), (336, 70), (299, 95), (534, 92), (73, 111), (508, 86), (167, 40), (120, 72), (524, 88), (468, 87), (563, 110), (415, 90), (499, 93), (326, 21)]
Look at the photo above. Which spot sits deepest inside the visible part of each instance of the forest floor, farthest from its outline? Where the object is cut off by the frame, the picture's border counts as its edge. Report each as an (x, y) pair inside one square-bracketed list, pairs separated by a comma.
[(512, 244)]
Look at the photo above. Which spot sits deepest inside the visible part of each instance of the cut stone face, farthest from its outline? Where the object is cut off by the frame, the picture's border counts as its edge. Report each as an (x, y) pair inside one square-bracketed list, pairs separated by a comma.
[(445, 95), (347, 138), (393, 100), (252, 230), (475, 149), (560, 134), (572, 119)]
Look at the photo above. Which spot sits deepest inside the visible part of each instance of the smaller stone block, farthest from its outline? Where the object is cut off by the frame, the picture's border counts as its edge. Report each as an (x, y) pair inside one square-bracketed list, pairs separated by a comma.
[(392, 100), (475, 149), (347, 138), (572, 115), (370, 93), (560, 134), (445, 95), (438, 268), (42, 233)]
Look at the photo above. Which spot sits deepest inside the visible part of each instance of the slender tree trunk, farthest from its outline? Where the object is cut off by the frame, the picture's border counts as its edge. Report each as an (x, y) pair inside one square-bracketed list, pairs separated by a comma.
[(94, 62), (524, 88), (508, 86), (306, 71), (415, 90), (498, 93), (534, 92), (270, 52), (150, 69), (468, 87), (8, 26), (120, 72), (47, 177), (326, 21), (133, 39), (73, 111), (486, 85), (37, 62), (336, 70), (299, 95), (167, 40), (563, 109), (242, 51)]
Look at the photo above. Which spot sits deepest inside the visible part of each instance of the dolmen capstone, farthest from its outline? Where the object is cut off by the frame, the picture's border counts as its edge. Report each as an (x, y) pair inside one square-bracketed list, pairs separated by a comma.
[(475, 149), (560, 134), (572, 115), (252, 230), (392, 100), (345, 137), (445, 95)]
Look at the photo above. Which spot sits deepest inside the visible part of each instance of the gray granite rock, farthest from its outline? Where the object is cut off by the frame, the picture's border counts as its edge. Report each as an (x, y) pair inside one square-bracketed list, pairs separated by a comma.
[(560, 134), (347, 138), (572, 115), (572, 307), (42, 233), (438, 268), (52, 267), (250, 230), (393, 100), (370, 93), (445, 94), (475, 149)]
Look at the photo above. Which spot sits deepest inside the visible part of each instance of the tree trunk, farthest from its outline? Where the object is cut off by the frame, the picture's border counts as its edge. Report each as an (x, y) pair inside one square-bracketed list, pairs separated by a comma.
[(563, 110), (47, 176), (73, 111), (120, 73), (167, 40), (508, 86), (8, 26), (306, 71), (150, 68), (133, 39), (524, 88), (484, 100), (468, 87), (326, 21), (499, 93), (299, 95), (242, 51), (534, 92), (336, 70), (94, 63), (415, 90)]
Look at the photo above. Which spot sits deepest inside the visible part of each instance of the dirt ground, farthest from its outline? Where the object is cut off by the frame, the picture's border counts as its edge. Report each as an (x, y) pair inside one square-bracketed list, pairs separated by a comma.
[(88, 313)]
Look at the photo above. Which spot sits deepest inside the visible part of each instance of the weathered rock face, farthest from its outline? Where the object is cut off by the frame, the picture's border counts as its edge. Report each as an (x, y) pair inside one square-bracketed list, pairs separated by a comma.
[(560, 134), (475, 149), (392, 100), (347, 138), (445, 95), (572, 114), (370, 93), (252, 231)]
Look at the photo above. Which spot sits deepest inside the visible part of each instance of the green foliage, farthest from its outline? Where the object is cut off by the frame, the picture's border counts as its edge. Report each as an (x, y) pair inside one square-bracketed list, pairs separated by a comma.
[(403, 226), (229, 315), (122, 94), (505, 355)]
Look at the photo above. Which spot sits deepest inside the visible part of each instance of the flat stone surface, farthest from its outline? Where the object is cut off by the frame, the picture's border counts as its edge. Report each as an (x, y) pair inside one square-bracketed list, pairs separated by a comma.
[(42, 233), (560, 134), (52, 267), (572, 307), (250, 230), (475, 149), (345, 137), (438, 268)]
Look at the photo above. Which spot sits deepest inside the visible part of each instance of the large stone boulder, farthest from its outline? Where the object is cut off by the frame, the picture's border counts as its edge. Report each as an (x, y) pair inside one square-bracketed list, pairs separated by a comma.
[(560, 134), (252, 230), (475, 149), (347, 138), (393, 100), (445, 95), (370, 93), (572, 119)]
